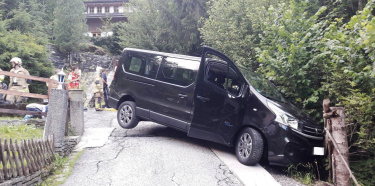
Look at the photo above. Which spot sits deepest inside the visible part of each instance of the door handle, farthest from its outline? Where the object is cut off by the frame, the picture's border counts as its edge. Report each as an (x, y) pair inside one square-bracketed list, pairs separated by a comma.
[(182, 95), (203, 99)]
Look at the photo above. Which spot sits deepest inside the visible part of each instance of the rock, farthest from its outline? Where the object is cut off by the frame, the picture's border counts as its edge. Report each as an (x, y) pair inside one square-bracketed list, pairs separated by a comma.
[(86, 61)]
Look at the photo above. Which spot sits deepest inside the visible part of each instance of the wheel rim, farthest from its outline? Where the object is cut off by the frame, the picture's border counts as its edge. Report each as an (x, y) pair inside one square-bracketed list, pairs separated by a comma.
[(245, 145), (126, 114)]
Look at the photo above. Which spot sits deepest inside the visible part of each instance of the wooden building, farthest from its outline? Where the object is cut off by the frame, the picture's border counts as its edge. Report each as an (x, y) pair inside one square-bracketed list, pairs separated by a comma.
[(97, 11)]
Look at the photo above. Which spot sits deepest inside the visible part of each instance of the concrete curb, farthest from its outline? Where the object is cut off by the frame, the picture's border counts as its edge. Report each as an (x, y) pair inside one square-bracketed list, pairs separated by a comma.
[(248, 175)]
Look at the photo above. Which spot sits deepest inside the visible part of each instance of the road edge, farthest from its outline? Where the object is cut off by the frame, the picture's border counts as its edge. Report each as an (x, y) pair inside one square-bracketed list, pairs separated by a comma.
[(248, 175)]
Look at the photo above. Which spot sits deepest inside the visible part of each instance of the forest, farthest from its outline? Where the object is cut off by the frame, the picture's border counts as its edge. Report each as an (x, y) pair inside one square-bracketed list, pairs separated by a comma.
[(310, 49)]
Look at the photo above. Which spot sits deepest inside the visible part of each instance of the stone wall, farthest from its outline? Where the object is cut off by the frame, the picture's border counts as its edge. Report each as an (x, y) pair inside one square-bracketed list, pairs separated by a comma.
[(86, 61), (33, 179), (66, 148)]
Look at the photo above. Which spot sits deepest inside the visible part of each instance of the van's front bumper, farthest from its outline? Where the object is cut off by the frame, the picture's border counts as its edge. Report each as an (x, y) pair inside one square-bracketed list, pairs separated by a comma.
[(294, 147)]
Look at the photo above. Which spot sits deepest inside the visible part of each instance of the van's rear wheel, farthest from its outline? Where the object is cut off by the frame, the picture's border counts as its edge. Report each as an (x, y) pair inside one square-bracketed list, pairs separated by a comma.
[(126, 115), (249, 146)]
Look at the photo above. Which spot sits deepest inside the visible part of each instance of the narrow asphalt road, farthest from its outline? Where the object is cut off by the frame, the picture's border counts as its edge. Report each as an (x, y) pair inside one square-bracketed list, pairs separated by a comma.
[(152, 154)]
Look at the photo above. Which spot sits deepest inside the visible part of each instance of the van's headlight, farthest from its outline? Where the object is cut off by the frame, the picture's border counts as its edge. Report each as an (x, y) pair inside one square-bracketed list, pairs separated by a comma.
[(284, 117)]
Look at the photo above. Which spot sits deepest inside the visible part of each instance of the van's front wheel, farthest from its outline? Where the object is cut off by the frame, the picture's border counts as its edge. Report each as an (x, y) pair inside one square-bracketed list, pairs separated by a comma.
[(126, 115), (249, 146)]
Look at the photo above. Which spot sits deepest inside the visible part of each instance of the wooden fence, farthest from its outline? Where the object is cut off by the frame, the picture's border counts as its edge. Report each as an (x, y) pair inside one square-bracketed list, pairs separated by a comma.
[(26, 94), (25, 158)]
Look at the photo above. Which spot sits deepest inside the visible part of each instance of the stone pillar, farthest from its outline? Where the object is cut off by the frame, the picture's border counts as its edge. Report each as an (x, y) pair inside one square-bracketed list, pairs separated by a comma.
[(56, 117), (76, 112)]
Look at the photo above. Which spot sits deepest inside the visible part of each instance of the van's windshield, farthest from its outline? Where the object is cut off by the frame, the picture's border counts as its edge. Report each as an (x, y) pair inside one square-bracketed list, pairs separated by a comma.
[(263, 86)]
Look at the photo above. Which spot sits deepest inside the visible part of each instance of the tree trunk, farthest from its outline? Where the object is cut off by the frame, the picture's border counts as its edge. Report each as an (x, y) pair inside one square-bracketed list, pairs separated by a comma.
[(342, 175), (70, 58), (328, 142), (360, 5)]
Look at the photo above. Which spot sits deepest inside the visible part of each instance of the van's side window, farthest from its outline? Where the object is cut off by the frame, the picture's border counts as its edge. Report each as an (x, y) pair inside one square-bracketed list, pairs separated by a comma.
[(179, 71), (135, 65), (217, 73), (145, 65), (235, 83)]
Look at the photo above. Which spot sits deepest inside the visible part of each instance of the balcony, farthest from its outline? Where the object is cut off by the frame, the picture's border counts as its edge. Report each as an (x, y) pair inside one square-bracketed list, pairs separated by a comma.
[(104, 15)]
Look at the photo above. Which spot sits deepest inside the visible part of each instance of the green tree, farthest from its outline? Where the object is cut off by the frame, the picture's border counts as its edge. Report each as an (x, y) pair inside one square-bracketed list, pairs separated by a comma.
[(336, 9), (311, 59), (29, 16), (49, 20), (33, 55), (7, 6), (19, 19), (22, 35), (349, 52), (288, 55), (70, 25), (41, 20), (163, 25), (234, 26), (110, 43)]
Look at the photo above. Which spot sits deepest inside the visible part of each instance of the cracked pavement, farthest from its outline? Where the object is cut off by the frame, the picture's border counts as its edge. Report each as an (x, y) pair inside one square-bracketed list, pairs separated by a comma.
[(149, 154)]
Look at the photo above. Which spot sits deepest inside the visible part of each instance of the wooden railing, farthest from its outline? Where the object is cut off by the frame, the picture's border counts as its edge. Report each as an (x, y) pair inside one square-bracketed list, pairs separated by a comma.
[(25, 158), (25, 94)]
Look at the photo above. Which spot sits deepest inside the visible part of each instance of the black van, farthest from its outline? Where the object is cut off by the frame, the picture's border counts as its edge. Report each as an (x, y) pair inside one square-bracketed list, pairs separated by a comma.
[(212, 99)]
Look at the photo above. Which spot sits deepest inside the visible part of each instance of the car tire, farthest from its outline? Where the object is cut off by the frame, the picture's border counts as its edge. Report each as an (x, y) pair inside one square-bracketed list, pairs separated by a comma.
[(249, 146), (126, 115)]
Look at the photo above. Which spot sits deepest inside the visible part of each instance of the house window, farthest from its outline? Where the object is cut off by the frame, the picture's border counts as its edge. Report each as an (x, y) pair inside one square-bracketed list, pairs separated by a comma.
[(116, 9), (91, 9), (107, 9), (96, 34), (99, 9)]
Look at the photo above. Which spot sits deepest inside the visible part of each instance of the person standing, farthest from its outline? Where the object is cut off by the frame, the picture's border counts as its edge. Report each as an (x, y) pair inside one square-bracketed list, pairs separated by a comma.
[(98, 89), (3, 86), (2, 77), (105, 87), (74, 78), (55, 77), (16, 83)]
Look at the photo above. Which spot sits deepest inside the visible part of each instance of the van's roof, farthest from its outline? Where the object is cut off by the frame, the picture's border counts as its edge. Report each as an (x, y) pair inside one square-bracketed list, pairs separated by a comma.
[(164, 54)]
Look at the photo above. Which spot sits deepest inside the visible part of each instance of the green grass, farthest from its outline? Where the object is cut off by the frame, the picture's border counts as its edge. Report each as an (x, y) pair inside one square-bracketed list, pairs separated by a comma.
[(11, 118), (304, 173), (62, 170), (20, 132)]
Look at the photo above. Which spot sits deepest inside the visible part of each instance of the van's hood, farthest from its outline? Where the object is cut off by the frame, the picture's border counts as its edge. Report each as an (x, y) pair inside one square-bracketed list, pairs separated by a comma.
[(285, 106)]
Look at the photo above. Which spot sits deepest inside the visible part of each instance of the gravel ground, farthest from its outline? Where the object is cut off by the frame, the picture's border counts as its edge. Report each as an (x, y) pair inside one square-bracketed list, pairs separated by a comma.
[(279, 174)]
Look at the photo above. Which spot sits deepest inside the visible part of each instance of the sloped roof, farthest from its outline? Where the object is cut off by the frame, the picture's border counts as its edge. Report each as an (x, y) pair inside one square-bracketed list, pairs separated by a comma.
[(104, 2)]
